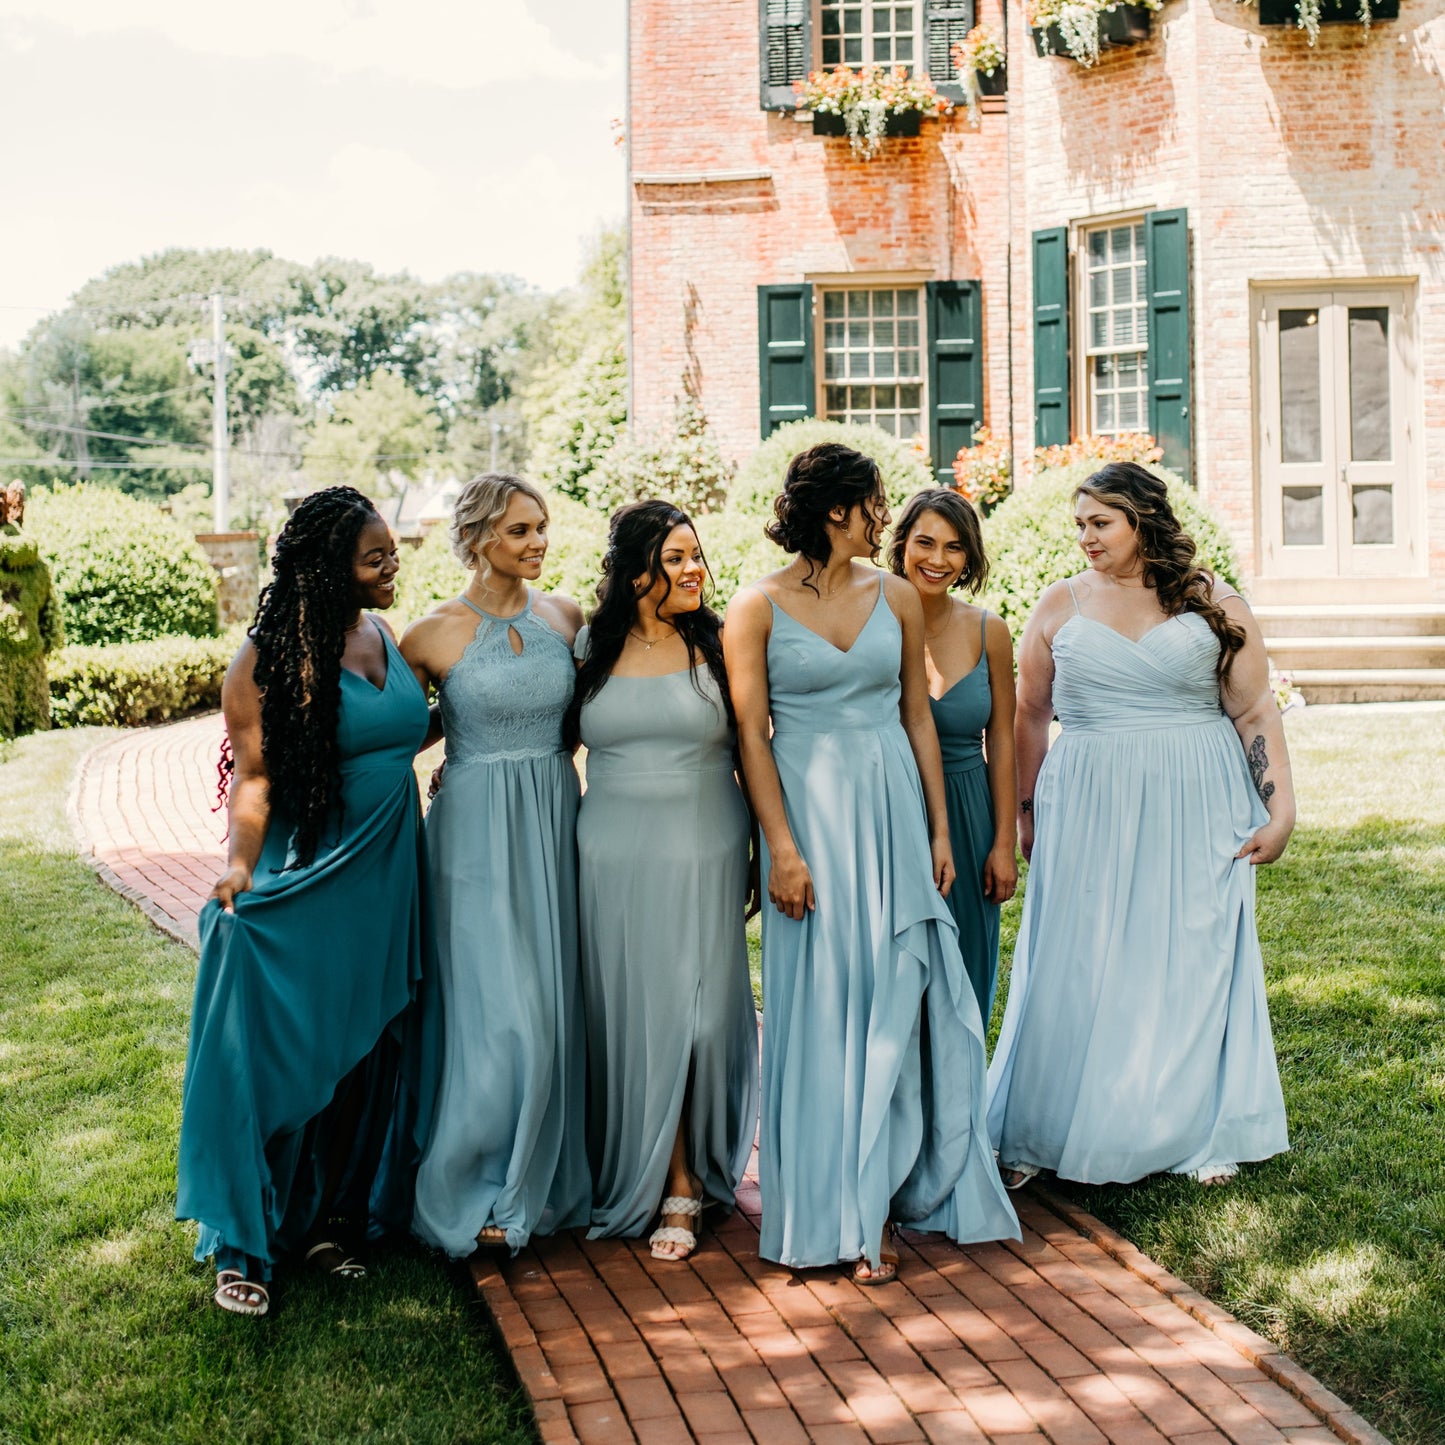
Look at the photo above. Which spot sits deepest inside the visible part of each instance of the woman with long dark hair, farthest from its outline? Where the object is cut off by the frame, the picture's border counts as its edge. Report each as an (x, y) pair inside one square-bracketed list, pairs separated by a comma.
[(313, 941), (663, 852), (503, 1154), (873, 1048), (1136, 1037)]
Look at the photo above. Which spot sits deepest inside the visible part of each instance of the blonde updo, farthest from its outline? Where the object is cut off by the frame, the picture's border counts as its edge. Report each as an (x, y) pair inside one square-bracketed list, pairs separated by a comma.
[(480, 507)]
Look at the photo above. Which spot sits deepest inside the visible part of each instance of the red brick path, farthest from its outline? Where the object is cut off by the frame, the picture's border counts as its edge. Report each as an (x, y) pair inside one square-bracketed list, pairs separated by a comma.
[(1072, 1337)]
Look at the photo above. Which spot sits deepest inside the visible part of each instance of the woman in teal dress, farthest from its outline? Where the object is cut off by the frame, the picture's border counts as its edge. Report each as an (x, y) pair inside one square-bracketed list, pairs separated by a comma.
[(1136, 1036), (663, 856), (505, 1155), (968, 653), (314, 941), (873, 1048)]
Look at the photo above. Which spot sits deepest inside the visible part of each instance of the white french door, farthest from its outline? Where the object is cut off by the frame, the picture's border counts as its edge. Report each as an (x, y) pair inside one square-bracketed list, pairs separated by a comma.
[(1337, 470)]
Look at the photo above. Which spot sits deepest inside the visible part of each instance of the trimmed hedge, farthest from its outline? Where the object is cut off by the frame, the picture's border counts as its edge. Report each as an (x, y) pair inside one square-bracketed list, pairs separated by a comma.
[(30, 627), (131, 684), (124, 570), (1030, 539)]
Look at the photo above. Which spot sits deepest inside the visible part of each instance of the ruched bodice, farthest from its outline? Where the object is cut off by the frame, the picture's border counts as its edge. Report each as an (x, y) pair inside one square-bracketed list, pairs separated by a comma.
[(498, 703), (1104, 680)]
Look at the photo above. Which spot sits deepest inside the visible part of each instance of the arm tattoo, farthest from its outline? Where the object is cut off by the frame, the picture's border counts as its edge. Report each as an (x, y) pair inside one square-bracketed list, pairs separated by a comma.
[(1258, 767), (1026, 805)]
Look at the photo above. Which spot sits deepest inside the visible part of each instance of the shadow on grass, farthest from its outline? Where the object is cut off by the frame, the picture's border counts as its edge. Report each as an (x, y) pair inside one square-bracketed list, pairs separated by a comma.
[(107, 1322)]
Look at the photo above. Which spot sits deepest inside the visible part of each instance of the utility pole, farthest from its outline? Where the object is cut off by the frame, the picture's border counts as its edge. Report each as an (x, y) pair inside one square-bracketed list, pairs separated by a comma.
[(220, 438)]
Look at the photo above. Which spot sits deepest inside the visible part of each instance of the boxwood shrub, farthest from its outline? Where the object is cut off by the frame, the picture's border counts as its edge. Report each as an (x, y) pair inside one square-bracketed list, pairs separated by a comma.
[(131, 684)]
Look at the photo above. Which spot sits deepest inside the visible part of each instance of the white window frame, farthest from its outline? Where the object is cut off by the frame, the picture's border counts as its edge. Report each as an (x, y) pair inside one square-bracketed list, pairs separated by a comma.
[(918, 65), (1083, 351), (895, 284)]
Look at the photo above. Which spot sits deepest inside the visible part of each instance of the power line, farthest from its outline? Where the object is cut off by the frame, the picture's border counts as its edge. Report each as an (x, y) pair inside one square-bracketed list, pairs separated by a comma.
[(109, 436), (107, 400)]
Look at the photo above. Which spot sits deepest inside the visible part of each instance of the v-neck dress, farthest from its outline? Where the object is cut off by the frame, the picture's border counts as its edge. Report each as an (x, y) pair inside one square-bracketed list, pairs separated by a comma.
[(304, 986), (672, 1034), (873, 1047), (506, 1145), (1136, 1036)]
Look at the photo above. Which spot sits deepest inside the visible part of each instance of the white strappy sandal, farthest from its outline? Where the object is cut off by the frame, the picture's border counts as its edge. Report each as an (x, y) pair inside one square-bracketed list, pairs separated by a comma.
[(239, 1296), (672, 1233)]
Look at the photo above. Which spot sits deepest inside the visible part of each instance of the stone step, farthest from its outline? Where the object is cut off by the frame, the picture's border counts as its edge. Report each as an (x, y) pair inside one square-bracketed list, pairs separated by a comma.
[(1371, 684), (1351, 652), (1375, 619)]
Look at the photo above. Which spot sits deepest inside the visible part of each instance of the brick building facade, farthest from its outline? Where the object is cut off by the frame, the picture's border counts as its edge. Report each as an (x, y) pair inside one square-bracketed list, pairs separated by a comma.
[(1221, 235)]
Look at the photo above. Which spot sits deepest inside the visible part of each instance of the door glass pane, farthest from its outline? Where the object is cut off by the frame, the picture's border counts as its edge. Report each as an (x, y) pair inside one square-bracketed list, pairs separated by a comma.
[(1299, 388), (1374, 523), (1304, 517), (1369, 384)]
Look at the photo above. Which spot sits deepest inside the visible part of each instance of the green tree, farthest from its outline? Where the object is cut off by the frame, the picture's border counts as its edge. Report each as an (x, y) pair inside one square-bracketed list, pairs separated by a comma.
[(379, 428)]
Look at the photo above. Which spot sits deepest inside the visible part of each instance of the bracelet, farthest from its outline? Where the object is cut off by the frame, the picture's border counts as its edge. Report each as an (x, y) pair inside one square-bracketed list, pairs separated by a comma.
[(1026, 805)]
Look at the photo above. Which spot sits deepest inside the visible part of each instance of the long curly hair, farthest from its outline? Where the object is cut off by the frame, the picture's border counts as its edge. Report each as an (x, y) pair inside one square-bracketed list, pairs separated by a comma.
[(958, 512), (817, 480), (1166, 550), (299, 634), (635, 539)]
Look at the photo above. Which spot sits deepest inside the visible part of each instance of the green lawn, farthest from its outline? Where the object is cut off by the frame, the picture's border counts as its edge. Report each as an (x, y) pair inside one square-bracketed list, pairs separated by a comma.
[(108, 1333)]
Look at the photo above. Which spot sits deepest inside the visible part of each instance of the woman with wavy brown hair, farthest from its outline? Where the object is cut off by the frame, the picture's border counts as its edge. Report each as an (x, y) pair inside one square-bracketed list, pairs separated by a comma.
[(1136, 1037)]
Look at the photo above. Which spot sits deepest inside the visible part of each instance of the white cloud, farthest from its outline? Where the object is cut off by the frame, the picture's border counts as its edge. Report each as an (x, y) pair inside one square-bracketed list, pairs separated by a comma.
[(430, 42)]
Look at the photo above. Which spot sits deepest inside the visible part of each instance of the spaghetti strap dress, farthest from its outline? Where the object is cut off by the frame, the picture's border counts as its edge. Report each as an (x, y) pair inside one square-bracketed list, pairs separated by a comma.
[(960, 717), (506, 1145), (305, 987), (671, 1029), (873, 1047), (1136, 1036)]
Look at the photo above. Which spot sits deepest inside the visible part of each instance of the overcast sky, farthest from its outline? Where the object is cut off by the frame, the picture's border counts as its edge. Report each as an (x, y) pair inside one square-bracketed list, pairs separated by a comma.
[(422, 135)]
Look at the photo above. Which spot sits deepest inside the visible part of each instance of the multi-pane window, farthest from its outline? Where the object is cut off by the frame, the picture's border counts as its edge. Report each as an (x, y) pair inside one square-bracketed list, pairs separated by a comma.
[(873, 358), (1117, 329), (866, 32)]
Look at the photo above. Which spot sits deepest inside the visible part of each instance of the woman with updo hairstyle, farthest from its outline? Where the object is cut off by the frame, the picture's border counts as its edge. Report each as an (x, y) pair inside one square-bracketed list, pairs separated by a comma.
[(873, 1047), (314, 941), (969, 657), (1136, 1037), (662, 844), (503, 1153)]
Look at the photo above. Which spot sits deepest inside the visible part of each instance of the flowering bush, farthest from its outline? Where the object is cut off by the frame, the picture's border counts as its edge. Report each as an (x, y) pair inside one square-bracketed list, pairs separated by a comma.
[(866, 97), (1132, 446), (984, 472)]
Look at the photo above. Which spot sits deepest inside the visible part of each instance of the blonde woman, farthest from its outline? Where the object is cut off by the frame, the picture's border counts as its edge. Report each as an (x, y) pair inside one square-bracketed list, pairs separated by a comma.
[(504, 1153)]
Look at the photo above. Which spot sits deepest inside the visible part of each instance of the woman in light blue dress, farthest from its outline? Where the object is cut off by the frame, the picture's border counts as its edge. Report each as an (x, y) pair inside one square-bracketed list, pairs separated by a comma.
[(938, 546), (873, 1048), (663, 859), (504, 1155), (1136, 1035), (315, 940)]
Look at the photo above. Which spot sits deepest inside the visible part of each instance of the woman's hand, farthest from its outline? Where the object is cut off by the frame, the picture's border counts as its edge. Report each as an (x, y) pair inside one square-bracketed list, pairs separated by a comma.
[(790, 885), (1000, 873), (1026, 834), (1268, 843), (943, 870), (436, 779), (754, 903), (235, 880)]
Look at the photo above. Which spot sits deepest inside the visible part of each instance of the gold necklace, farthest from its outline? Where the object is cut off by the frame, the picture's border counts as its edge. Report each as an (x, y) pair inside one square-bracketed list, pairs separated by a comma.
[(934, 636), (646, 645)]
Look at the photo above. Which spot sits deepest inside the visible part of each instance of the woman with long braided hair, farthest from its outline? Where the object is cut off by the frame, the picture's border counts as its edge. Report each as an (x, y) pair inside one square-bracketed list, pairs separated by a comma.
[(312, 943)]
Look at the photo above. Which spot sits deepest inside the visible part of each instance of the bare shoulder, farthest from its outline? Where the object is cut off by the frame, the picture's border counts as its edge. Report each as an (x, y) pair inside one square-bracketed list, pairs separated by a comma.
[(750, 611), (561, 612), (769, 586), (1058, 597), (382, 623), (420, 634), (902, 596), (242, 670), (996, 633), (1224, 595)]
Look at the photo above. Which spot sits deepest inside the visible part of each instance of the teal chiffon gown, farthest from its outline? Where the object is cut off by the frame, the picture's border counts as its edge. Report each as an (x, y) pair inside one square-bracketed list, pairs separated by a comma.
[(303, 989), (671, 1028), (1136, 1036), (873, 1046), (506, 1145)]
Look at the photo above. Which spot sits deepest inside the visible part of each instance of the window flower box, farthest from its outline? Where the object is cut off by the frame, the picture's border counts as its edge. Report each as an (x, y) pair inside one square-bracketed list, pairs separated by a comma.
[(897, 123), (868, 104), (1080, 29), (1329, 12), (993, 82)]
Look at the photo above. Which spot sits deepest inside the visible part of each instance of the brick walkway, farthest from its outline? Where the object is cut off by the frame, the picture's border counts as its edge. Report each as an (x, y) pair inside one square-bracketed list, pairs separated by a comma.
[(1072, 1337)]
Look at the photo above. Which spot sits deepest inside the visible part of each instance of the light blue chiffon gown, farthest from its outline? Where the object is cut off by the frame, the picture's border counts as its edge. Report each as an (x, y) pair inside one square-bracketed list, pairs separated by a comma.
[(671, 1029), (507, 1146), (1136, 1036), (305, 988), (873, 1048)]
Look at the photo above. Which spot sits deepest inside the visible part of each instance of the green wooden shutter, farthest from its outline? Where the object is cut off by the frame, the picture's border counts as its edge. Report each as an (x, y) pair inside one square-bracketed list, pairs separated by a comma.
[(785, 40), (1166, 254), (1051, 337), (946, 22), (785, 354), (955, 370)]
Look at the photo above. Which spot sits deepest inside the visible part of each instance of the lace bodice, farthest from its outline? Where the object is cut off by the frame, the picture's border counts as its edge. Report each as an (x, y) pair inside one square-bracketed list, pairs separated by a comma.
[(498, 704)]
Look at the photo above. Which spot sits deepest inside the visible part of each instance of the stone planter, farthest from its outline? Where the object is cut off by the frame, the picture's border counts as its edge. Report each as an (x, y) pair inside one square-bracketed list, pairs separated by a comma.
[(1332, 12), (995, 84), (1119, 25), (905, 123)]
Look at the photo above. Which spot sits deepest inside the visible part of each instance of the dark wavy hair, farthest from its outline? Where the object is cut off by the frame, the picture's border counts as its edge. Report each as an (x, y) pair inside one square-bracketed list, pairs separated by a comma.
[(1166, 550), (635, 538), (958, 512), (299, 635), (817, 480)]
